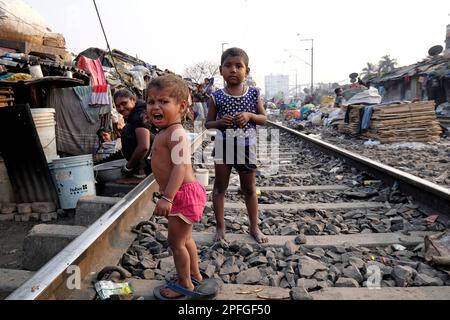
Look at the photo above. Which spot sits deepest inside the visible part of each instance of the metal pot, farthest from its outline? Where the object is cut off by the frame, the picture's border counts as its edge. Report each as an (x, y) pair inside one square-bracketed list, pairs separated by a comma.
[(109, 172)]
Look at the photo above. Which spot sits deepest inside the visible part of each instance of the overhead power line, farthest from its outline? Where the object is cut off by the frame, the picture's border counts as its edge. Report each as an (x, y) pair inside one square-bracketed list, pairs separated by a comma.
[(107, 42)]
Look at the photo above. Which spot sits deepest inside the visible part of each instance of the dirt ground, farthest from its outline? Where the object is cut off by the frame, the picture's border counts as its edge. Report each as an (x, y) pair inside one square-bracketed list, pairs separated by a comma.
[(12, 236)]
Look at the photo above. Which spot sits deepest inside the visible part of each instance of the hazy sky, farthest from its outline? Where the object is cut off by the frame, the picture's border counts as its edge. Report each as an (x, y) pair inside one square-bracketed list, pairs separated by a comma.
[(175, 34)]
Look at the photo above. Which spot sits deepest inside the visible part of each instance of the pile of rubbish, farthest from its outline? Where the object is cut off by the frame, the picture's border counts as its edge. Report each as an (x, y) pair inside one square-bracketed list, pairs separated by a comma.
[(310, 115)]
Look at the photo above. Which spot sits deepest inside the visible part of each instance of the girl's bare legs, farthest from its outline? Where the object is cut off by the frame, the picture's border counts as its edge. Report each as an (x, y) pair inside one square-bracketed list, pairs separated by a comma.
[(179, 234), (193, 254), (223, 172), (248, 189)]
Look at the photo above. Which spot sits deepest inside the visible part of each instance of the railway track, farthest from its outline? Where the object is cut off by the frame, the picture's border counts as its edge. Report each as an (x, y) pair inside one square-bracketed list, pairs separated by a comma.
[(364, 225)]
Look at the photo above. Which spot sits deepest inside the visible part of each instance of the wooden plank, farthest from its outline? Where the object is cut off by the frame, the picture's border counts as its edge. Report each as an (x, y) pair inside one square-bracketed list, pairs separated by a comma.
[(415, 293), (145, 289), (293, 189), (47, 50), (370, 240), (308, 206)]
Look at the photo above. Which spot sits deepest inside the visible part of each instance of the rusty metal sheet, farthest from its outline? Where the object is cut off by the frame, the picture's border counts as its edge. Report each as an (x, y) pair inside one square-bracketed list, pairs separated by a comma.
[(24, 157)]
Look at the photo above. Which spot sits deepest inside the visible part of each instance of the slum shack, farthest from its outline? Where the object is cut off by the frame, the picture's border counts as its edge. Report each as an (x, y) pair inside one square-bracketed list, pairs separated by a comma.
[(52, 104), (411, 104), (427, 80)]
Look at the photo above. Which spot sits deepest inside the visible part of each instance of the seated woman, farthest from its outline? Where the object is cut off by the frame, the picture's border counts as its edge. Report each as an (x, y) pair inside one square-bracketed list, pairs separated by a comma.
[(136, 136)]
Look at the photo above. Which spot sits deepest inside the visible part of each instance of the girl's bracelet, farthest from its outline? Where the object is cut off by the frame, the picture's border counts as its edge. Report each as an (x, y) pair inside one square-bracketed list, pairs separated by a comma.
[(167, 199)]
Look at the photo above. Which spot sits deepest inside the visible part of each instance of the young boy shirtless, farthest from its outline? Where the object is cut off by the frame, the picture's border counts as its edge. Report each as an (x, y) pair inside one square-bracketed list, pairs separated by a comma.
[(183, 198)]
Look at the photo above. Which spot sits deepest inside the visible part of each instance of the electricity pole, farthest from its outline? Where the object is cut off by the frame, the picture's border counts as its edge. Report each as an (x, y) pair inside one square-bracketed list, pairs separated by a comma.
[(312, 63)]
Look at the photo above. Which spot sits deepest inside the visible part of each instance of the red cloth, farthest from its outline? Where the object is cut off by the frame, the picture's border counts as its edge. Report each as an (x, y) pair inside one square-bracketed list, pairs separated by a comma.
[(98, 79)]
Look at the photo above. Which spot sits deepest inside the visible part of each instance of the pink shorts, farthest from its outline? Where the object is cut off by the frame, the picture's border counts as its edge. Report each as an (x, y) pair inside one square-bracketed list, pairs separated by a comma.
[(189, 203)]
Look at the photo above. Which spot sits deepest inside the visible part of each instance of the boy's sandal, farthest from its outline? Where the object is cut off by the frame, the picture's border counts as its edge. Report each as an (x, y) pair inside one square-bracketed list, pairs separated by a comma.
[(208, 290), (141, 177)]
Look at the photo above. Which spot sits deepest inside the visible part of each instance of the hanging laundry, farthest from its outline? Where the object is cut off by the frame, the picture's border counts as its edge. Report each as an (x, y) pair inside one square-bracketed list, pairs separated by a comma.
[(92, 113), (98, 80), (75, 135)]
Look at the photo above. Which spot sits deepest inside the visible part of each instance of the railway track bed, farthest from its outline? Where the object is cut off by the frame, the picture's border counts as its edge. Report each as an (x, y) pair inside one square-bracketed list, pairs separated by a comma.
[(335, 232)]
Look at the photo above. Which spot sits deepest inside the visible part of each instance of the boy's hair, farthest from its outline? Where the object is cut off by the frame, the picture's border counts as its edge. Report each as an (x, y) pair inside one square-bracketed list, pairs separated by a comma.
[(124, 93), (337, 90), (179, 89), (236, 52)]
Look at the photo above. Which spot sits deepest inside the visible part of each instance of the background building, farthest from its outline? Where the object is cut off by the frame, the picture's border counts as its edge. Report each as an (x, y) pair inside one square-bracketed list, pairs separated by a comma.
[(277, 86)]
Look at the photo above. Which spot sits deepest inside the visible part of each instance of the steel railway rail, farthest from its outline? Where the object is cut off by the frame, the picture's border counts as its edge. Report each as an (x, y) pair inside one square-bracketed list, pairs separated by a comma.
[(105, 242)]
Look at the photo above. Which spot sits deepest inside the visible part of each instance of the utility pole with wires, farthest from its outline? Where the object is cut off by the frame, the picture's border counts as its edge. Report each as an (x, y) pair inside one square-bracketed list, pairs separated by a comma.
[(312, 62), (107, 42)]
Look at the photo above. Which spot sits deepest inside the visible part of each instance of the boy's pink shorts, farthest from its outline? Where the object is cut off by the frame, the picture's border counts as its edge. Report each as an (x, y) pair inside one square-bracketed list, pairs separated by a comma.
[(189, 203)]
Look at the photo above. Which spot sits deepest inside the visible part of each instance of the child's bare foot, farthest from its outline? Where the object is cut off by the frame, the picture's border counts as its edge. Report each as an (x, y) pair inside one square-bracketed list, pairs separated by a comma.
[(197, 277), (170, 294), (220, 235), (259, 236)]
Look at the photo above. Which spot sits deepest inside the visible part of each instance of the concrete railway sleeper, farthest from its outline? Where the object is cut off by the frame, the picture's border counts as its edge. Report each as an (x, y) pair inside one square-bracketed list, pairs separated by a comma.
[(336, 231)]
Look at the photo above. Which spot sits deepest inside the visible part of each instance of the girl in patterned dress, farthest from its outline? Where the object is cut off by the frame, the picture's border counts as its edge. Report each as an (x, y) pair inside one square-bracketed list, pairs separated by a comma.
[(236, 111)]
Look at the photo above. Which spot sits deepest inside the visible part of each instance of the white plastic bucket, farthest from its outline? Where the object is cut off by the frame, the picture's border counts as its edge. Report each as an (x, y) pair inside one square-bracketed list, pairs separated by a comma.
[(202, 175), (36, 72), (44, 120), (74, 178)]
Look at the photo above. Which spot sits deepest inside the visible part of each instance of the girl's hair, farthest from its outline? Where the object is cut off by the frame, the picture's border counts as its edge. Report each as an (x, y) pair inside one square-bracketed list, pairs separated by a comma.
[(124, 93), (236, 52), (178, 88)]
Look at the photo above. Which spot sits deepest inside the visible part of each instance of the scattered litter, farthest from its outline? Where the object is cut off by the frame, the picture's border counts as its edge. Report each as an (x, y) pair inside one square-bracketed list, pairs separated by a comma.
[(372, 143), (251, 292), (385, 261), (432, 219), (369, 183), (398, 247), (106, 289), (273, 298)]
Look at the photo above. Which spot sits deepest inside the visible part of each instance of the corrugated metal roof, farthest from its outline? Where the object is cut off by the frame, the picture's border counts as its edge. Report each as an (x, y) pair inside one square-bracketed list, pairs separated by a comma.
[(24, 157), (440, 65)]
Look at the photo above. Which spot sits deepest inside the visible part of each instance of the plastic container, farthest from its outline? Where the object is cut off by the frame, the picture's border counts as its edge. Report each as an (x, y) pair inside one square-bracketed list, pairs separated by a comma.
[(36, 71), (74, 178), (44, 120), (202, 175)]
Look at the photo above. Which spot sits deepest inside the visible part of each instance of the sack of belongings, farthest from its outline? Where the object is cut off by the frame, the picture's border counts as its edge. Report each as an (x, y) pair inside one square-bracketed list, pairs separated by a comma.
[(20, 22)]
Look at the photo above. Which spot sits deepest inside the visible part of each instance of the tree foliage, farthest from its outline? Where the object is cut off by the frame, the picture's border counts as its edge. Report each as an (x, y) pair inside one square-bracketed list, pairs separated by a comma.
[(370, 70), (386, 65), (202, 70)]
